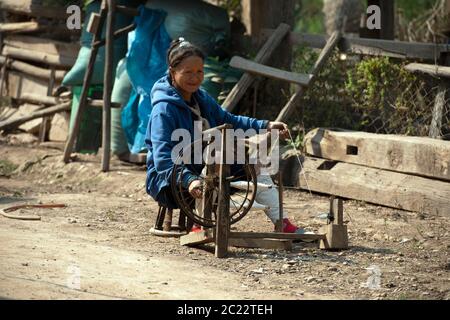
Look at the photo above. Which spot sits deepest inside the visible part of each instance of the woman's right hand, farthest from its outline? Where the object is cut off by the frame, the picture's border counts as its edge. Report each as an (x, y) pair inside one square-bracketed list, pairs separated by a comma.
[(195, 189), (282, 127)]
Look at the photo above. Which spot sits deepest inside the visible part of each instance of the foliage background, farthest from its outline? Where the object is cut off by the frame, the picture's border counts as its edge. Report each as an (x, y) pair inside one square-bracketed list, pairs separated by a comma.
[(370, 94), (374, 94), (310, 18)]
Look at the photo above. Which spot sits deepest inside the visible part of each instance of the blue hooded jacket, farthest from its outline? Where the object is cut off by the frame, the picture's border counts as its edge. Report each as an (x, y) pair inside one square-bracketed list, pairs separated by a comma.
[(170, 112)]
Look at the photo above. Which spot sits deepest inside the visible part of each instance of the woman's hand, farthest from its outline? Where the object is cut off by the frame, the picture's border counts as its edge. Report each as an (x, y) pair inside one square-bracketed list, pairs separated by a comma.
[(281, 126), (195, 189)]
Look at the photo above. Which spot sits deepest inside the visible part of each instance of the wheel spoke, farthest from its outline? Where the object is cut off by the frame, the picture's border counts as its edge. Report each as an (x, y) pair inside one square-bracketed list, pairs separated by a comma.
[(238, 178), (238, 208), (211, 194), (240, 195), (234, 202), (244, 195), (190, 203)]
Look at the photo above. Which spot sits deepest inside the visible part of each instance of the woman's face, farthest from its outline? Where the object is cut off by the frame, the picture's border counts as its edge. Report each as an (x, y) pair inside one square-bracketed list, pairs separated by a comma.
[(188, 75)]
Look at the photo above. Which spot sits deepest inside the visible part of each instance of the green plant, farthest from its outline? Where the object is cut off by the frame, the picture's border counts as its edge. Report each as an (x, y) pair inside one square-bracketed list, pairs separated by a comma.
[(7, 168), (4, 102), (325, 103), (309, 17), (374, 94), (413, 8), (378, 81), (389, 98), (297, 142), (232, 6)]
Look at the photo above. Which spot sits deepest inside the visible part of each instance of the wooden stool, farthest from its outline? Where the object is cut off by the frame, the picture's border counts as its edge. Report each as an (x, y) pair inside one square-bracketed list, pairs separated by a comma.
[(164, 227)]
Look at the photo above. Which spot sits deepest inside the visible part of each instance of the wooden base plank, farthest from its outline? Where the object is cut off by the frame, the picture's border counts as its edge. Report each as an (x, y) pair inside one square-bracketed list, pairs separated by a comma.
[(387, 188), (275, 235), (276, 244)]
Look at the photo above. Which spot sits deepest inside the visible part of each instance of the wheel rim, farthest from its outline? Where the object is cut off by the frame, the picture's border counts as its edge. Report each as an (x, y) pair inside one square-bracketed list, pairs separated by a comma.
[(240, 204)]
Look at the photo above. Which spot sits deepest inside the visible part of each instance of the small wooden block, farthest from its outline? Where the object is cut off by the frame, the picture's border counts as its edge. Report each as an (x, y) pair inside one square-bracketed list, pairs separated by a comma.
[(94, 22), (336, 237), (276, 244), (197, 238)]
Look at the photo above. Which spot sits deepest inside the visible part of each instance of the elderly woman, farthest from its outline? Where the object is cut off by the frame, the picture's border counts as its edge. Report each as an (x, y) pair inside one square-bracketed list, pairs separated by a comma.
[(178, 101)]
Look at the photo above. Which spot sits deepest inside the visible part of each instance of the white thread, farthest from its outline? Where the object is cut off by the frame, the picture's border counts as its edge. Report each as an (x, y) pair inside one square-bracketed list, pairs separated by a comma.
[(302, 169), (300, 162)]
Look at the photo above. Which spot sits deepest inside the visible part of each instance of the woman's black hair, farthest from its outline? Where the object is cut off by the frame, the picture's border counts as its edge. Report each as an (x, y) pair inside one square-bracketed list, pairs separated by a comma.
[(181, 49)]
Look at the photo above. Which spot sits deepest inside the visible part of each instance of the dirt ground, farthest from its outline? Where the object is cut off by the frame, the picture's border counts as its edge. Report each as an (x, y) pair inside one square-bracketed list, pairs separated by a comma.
[(99, 247)]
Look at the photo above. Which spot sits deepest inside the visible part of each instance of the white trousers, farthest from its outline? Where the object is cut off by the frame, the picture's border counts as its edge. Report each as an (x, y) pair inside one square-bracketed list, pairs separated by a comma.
[(269, 197)]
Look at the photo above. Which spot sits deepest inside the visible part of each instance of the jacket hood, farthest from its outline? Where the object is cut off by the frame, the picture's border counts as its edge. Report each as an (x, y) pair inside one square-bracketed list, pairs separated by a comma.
[(163, 91)]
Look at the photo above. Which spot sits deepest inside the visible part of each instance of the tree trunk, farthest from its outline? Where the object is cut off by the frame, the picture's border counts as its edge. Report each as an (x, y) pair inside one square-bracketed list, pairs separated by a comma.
[(336, 10), (446, 27), (258, 15)]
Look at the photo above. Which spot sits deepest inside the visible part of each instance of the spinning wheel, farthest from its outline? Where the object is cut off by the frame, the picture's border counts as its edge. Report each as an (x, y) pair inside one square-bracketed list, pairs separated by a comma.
[(228, 194), (242, 180)]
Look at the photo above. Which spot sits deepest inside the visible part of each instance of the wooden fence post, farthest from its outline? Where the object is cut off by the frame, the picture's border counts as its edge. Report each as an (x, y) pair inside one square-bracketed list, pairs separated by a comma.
[(440, 101), (107, 89), (84, 91)]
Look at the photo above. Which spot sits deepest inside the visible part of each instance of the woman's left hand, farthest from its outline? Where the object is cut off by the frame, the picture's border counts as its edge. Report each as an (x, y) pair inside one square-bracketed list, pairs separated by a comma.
[(281, 126)]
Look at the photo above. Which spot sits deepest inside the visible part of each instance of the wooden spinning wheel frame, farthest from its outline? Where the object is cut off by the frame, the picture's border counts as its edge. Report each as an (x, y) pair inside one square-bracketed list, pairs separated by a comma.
[(241, 199), (216, 216)]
